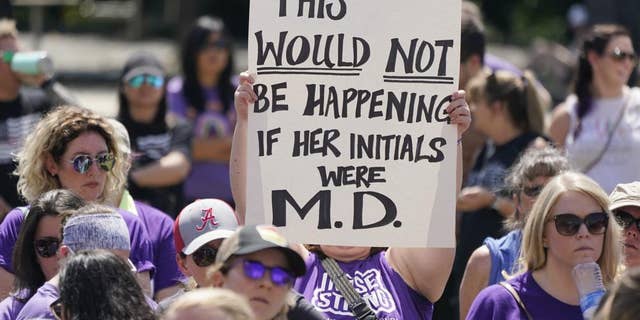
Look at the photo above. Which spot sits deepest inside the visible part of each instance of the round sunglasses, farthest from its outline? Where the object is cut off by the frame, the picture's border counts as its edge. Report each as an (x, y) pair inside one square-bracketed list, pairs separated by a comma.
[(204, 256), (568, 224), (255, 270), (46, 247), (83, 162), (626, 219), (152, 80)]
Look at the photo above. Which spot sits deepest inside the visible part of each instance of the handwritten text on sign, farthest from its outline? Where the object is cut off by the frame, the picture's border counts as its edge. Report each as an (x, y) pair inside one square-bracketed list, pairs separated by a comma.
[(348, 142)]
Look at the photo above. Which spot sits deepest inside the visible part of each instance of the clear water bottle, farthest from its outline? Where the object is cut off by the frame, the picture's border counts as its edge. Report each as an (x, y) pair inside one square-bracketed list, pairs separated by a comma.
[(588, 280), (30, 62)]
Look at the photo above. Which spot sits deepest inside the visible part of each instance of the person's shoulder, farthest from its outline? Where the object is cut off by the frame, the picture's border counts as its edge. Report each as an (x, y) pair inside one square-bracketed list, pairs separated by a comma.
[(175, 85), (16, 214), (149, 210)]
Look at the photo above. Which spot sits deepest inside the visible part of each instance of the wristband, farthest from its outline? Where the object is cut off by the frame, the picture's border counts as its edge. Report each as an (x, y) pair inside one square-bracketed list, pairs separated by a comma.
[(459, 141)]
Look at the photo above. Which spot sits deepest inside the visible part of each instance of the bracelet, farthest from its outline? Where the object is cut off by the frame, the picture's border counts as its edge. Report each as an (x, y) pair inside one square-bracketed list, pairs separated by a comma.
[(460, 141)]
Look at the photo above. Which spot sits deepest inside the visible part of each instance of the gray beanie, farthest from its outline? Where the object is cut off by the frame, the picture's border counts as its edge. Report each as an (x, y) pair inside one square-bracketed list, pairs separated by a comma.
[(96, 231)]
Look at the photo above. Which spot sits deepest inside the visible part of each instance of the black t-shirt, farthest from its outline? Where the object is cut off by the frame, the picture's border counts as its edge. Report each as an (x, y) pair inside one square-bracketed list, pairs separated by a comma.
[(149, 143), (18, 118)]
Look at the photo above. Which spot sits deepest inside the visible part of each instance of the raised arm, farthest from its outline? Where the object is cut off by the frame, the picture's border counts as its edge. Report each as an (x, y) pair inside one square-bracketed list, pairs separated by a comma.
[(427, 269), (244, 96)]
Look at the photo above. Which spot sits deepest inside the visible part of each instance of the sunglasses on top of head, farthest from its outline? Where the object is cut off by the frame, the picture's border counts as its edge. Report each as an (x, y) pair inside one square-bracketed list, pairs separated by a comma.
[(532, 191), (204, 256), (626, 219), (46, 247), (152, 80), (618, 55), (255, 270), (83, 162), (568, 224)]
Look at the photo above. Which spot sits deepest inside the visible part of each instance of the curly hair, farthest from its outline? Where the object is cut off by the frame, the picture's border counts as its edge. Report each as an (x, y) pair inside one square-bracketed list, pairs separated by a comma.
[(50, 139), (97, 284), (28, 274)]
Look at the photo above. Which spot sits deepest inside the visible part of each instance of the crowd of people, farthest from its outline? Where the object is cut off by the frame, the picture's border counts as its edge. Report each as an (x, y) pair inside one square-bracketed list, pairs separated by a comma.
[(143, 216)]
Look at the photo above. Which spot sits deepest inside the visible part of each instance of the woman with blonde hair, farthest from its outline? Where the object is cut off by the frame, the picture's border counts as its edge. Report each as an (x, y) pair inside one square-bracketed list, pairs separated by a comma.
[(210, 304), (569, 224), (72, 148)]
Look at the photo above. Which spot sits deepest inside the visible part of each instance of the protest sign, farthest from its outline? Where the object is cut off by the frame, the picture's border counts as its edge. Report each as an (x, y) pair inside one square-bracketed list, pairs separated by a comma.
[(349, 141)]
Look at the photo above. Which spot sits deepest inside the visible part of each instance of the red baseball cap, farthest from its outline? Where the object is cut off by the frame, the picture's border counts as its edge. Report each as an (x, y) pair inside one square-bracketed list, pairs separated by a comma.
[(202, 221)]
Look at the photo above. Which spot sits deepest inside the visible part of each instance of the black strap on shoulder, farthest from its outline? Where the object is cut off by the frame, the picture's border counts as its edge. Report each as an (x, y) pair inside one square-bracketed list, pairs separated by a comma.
[(516, 296), (357, 305)]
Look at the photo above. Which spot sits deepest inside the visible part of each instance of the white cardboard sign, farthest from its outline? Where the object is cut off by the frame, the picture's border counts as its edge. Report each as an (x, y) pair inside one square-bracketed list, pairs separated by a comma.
[(348, 143)]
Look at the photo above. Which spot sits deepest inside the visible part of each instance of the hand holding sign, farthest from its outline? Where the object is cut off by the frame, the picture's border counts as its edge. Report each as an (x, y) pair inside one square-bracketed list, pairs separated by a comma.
[(459, 112), (244, 95)]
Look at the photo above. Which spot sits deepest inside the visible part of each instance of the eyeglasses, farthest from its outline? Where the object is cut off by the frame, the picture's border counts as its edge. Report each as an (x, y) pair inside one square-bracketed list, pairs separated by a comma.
[(619, 55), (46, 247), (255, 270), (568, 224), (204, 256), (82, 163), (533, 191), (152, 80), (625, 219), (56, 309), (218, 44)]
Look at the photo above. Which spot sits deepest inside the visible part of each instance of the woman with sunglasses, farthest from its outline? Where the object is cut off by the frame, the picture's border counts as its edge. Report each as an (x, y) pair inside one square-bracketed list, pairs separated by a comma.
[(73, 148), (257, 262), (34, 256), (597, 124), (204, 97), (161, 148), (497, 257), (97, 284), (569, 224)]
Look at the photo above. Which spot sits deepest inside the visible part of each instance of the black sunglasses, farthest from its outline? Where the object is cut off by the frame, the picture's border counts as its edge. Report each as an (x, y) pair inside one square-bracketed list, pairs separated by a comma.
[(620, 55), (56, 309), (533, 191), (568, 224), (46, 247), (204, 256), (83, 162), (255, 270), (218, 44), (625, 219)]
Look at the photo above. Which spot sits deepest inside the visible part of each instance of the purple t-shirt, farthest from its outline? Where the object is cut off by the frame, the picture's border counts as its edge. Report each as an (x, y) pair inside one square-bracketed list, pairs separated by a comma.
[(159, 226), (141, 253), (10, 307), (38, 306), (385, 291), (207, 179), (496, 303)]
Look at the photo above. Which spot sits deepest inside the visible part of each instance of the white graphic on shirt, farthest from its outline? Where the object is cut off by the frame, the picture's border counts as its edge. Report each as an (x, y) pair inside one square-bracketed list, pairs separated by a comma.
[(368, 284)]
